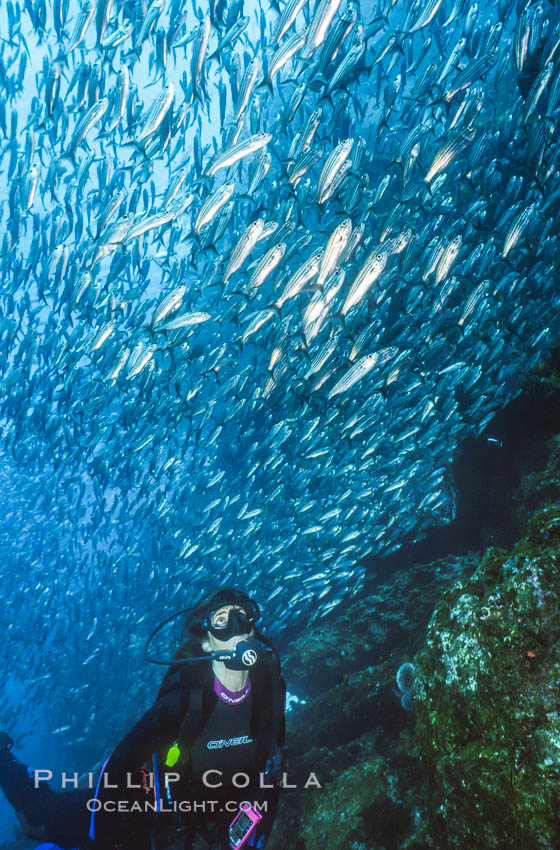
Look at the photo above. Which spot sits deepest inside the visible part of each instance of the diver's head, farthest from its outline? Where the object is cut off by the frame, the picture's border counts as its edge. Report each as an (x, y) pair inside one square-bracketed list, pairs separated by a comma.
[(223, 619), (223, 625)]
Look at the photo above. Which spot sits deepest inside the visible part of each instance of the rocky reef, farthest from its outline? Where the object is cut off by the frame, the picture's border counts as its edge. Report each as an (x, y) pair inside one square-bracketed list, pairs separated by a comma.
[(353, 731), (487, 698), (477, 762)]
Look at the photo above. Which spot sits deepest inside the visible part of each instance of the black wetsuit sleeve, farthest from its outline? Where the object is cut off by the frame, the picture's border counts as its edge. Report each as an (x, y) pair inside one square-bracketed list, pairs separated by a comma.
[(278, 706), (158, 727), (279, 713)]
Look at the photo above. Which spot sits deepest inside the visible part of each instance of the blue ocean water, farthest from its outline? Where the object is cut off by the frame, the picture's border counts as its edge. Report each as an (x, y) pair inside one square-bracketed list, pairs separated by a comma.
[(171, 422)]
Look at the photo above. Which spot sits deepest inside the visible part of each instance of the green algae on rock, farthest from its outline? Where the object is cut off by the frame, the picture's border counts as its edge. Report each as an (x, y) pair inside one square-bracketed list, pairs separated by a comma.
[(339, 819), (487, 697), (353, 715)]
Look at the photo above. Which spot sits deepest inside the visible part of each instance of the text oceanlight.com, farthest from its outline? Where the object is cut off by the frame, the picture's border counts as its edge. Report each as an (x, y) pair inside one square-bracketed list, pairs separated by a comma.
[(126, 807)]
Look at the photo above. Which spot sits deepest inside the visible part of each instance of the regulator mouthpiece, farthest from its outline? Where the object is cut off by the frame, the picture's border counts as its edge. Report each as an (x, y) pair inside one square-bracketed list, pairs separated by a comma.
[(245, 656)]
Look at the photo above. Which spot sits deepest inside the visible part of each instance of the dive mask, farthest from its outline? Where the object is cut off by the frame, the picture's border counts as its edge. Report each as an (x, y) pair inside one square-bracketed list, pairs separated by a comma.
[(227, 624)]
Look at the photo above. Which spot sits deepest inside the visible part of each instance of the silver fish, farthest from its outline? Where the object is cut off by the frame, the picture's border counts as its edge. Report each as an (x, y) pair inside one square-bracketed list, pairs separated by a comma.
[(291, 10), (158, 110), (356, 372), (117, 37), (86, 13), (259, 171), (331, 168), (213, 205), (366, 277), (324, 14), (243, 247), (348, 63), (428, 11), (169, 304), (448, 257), (246, 87), (86, 122), (140, 357), (120, 363), (238, 151), (101, 336), (148, 23), (541, 82), (518, 227), (185, 321), (448, 152), (336, 245), (284, 53), (266, 265), (303, 275), (231, 35), (103, 13), (199, 53), (121, 98)]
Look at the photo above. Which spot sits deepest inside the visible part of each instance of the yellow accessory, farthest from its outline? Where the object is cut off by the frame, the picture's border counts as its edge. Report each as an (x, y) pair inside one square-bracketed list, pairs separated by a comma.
[(173, 756)]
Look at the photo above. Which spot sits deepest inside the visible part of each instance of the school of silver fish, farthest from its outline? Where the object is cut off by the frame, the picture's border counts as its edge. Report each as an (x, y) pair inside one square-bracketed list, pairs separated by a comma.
[(263, 266)]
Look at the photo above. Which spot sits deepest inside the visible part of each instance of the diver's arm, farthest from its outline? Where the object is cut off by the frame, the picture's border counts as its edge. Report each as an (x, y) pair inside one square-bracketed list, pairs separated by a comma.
[(274, 766), (157, 727), (278, 720)]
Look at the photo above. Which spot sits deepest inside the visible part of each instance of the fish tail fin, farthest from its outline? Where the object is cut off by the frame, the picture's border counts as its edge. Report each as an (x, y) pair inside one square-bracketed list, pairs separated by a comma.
[(71, 156), (276, 310), (267, 81), (338, 320)]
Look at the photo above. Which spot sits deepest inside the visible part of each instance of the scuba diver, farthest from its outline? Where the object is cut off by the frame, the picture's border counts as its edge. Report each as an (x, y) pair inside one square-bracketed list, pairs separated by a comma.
[(201, 768)]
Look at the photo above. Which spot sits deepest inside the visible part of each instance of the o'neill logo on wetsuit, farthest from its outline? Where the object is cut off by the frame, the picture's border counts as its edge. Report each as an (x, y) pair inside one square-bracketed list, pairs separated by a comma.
[(229, 742)]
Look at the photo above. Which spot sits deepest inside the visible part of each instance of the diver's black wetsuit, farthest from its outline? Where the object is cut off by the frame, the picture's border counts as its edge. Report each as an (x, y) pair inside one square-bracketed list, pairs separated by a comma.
[(213, 731)]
